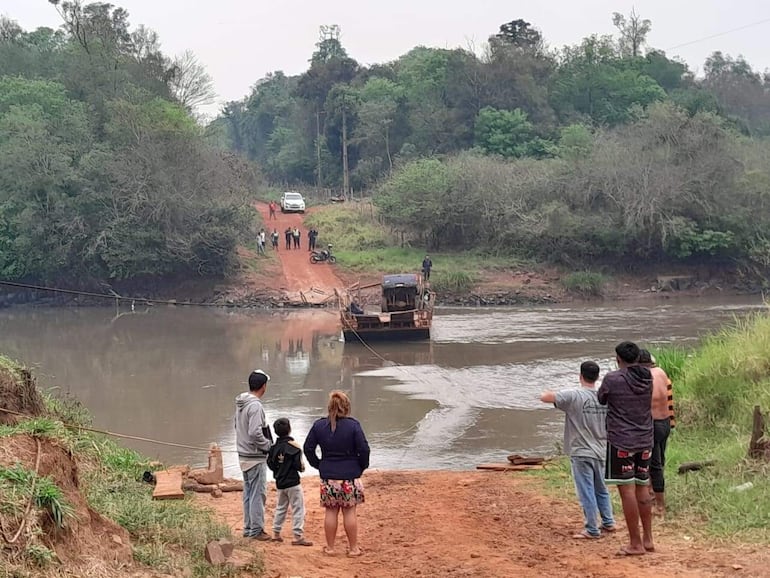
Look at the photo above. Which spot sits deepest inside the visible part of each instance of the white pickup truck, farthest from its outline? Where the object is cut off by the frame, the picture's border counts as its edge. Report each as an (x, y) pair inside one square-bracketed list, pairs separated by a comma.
[(291, 202)]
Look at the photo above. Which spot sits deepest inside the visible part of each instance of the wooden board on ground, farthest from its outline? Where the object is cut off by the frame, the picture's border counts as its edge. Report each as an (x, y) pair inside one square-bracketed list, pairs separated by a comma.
[(508, 467), (518, 460), (168, 485)]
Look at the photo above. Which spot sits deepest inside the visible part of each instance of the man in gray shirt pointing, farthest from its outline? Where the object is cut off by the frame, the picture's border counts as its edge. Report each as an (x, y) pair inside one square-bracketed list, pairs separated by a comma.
[(585, 440)]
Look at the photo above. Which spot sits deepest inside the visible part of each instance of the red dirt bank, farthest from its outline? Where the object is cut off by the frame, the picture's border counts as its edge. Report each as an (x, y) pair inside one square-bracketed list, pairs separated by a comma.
[(477, 524)]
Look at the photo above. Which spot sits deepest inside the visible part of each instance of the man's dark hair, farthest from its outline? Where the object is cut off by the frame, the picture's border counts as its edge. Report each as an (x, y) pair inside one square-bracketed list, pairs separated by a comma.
[(257, 379), (645, 357), (628, 351), (589, 370), (282, 427)]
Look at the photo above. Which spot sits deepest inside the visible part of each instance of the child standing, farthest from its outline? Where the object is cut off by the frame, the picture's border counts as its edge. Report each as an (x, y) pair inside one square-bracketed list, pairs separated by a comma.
[(285, 460)]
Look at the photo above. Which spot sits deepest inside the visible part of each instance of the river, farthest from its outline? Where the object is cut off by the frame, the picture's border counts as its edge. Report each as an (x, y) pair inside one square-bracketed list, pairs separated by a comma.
[(467, 397)]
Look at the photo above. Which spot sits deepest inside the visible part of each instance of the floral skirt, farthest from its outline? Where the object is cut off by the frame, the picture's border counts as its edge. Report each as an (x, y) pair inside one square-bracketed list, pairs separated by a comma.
[(341, 493)]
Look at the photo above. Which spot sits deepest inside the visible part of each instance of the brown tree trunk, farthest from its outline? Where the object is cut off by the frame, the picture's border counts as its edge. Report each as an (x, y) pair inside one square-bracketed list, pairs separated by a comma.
[(345, 171)]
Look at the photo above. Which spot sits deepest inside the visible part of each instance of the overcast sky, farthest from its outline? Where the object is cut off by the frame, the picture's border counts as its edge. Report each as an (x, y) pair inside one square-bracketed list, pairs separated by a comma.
[(239, 41)]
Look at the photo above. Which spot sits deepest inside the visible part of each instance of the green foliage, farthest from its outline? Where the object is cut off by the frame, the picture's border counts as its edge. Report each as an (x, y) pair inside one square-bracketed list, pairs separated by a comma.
[(585, 283), (728, 375), (104, 173), (348, 229), (685, 239), (508, 134)]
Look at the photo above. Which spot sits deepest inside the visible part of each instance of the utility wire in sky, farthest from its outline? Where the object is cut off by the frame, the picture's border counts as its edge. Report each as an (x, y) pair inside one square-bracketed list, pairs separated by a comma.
[(757, 23)]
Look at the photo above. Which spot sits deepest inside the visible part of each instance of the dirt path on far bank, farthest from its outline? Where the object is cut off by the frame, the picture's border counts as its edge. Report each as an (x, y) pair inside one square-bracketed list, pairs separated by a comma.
[(299, 274), (474, 524)]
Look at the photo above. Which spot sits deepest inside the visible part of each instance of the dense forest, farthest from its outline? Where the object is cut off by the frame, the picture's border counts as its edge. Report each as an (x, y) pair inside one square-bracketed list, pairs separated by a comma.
[(604, 153), (104, 171)]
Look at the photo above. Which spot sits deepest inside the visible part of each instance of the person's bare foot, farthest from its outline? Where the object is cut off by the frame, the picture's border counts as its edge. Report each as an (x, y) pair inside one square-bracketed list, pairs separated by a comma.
[(629, 551), (649, 546), (329, 551), (355, 552)]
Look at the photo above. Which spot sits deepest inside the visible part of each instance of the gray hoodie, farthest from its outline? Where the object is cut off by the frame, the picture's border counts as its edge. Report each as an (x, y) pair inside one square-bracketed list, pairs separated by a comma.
[(252, 435)]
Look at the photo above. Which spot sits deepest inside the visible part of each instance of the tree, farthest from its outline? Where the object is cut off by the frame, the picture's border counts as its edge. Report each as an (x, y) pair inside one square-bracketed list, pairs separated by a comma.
[(380, 99), (519, 33), (503, 132), (593, 81), (190, 84), (633, 33)]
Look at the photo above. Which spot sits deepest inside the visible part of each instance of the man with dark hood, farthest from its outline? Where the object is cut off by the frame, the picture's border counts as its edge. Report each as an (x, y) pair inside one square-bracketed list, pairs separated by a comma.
[(253, 440), (627, 393)]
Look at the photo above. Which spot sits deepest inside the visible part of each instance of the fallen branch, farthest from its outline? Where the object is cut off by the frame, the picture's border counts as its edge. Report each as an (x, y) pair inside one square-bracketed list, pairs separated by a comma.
[(694, 466)]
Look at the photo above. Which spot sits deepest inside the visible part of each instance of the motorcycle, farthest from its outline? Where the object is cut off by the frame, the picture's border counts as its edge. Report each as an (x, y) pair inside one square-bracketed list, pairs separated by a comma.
[(323, 255)]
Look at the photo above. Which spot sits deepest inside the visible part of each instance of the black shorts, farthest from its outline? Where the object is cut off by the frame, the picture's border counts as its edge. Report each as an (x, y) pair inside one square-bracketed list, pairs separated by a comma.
[(623, 467)]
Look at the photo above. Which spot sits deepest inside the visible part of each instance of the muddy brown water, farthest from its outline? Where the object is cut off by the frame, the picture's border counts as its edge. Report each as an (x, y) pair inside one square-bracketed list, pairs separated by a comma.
[(468, 396)]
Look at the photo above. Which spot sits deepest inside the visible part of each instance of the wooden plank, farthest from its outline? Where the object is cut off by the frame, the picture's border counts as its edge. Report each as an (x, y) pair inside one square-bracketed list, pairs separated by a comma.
[(168, 485), (508, 467)]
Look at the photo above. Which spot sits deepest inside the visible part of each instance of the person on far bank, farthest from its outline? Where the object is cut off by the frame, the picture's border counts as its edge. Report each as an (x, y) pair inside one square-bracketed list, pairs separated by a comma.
[(272, 208), (253, 441), (296, 235), (261, 242), (427, 265), (312, 235), (288, 235), (285, 461), (627, 393), (585, 442), (344, 457), (274, 238), (662, 422)]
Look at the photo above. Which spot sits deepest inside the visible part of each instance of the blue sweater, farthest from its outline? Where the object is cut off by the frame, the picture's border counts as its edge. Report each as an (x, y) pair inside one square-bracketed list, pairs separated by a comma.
[(344, 452)]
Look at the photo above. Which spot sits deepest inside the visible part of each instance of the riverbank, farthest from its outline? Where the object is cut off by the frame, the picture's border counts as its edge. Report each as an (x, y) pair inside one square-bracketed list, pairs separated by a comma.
[(480, 524), (74, 503), (285, 278)]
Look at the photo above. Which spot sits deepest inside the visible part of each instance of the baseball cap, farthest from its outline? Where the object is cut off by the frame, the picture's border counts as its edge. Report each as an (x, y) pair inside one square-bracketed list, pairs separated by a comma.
[(258, 378)]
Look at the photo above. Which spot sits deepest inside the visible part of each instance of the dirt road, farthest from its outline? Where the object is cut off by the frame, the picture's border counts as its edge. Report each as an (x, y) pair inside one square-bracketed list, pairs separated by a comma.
[(299, 274), (475, 524)]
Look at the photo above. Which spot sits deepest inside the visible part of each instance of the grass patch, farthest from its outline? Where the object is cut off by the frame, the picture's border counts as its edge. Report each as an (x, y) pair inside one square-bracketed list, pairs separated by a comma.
[(585, 283), (716, 386), (453, 281)]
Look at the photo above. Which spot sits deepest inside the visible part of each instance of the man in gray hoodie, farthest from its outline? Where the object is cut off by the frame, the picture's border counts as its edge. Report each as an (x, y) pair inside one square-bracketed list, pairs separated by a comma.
[(627, 393), (253, 440)]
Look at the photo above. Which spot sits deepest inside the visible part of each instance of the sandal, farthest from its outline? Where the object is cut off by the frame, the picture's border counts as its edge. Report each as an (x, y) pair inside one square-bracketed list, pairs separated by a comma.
[(609, 529), (329, 551), (584, 535), (277, 539), (301, 542), (355, 554)]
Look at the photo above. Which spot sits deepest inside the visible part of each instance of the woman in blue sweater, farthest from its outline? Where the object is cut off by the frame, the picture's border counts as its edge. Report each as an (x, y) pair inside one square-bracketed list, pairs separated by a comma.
[(344, 457)]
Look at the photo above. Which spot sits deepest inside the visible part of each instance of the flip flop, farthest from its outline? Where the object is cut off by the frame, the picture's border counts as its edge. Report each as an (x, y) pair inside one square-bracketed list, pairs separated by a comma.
[(650, 549), (328, 551), (585, 536), (301, 542), (609, 529), (355, 554), (624, 552)]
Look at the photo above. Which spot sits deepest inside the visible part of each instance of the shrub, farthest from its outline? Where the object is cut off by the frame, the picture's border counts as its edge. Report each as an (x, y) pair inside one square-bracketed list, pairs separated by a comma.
[(585, 283)]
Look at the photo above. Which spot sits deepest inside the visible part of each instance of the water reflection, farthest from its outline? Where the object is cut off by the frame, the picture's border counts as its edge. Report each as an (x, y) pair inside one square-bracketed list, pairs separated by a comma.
[(468, 396)]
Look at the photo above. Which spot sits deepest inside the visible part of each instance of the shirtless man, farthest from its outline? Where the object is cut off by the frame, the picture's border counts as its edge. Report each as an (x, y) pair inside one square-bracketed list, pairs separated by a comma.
[(662, 415)]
